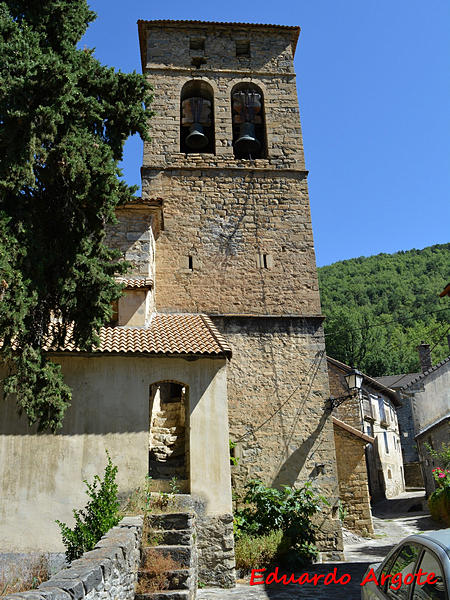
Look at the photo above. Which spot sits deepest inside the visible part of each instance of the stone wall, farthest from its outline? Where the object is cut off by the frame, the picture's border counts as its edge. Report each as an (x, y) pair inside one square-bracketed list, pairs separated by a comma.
[(108, 571), (215, 545), (133, 236), (277, 392), (353, 487), (215, 542), (167, 62), (350, 410), (227, 221)]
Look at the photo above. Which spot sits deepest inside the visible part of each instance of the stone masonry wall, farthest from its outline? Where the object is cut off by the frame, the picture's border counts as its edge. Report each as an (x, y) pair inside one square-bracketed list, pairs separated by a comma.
[(277, 393), (245, 223), (353, 488), (226, 221), (168, 65), (108, 571), (349, 411), (133, 236), (214, 540)]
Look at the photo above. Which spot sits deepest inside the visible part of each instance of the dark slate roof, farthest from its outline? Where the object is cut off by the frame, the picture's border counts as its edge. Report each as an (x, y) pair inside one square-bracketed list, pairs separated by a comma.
[(423, 375), (397, 381)]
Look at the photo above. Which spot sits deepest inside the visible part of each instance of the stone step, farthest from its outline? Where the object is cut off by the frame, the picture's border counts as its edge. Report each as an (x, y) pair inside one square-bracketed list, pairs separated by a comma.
[(177, 579), (181, 555), (171, 537), (169, 521), (165, 595)]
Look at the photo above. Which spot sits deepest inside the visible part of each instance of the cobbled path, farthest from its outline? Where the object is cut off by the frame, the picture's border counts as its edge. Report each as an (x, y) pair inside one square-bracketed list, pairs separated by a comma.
[(392, 522)]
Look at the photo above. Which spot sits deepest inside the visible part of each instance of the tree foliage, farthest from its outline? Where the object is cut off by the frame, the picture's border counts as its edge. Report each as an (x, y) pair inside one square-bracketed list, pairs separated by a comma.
[(380, 308), (64, 119)]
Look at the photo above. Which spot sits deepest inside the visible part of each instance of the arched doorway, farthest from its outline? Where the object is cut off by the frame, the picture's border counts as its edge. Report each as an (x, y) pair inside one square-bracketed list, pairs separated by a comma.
[(169, 433)]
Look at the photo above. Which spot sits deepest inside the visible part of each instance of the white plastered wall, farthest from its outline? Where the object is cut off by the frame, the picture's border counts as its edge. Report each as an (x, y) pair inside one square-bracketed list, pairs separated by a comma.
[(41, 475)]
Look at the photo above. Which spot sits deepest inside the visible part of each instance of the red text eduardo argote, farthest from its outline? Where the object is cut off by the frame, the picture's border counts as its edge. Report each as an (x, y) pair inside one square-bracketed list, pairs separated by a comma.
[(395, 580)]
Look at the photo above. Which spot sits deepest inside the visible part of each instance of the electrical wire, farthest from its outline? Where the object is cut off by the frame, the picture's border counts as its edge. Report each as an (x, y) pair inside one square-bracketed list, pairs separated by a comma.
[(319, 356), (334, 333)]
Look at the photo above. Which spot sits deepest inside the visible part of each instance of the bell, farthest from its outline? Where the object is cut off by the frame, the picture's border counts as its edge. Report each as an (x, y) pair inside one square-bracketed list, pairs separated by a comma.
[(247, 144), (196, 139)]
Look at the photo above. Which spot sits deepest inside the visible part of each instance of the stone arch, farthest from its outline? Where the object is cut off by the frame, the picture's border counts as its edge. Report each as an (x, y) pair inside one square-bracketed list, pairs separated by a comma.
[(197, 130), (248, 120), (169, 432)]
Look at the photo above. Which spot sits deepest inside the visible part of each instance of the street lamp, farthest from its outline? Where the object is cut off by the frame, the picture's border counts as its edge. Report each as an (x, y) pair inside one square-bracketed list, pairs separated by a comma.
[(354, 381)]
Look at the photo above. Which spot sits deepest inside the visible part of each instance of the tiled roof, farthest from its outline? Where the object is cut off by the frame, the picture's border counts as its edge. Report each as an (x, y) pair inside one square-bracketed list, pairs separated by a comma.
[(167, 334), (352, 430), (196, 22), (131, 282)]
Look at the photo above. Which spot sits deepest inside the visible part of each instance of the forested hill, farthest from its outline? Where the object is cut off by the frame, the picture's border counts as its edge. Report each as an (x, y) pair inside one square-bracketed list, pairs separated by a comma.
[(379, 308)]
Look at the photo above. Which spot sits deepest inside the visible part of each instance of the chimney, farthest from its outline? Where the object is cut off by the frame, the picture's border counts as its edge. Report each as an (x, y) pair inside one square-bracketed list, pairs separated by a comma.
[(424, 356)]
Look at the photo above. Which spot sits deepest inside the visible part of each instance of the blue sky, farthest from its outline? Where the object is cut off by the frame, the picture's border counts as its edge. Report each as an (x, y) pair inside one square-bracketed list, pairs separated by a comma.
[(373, 79)]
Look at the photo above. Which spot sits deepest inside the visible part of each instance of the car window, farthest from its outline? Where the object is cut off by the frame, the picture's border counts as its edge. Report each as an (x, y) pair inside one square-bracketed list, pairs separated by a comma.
[(403, 563), (430, 591)]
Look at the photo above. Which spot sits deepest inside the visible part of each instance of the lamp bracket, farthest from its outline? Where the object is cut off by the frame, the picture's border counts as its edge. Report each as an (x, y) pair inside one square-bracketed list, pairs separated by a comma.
[(335, 402)]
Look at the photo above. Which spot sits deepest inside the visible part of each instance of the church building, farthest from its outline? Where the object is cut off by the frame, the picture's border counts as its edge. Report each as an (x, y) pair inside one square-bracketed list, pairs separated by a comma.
[(218, 335)]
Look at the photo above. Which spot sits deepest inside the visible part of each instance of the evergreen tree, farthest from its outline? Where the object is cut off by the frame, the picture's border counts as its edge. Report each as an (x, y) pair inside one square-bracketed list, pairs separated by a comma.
[(64, 119)]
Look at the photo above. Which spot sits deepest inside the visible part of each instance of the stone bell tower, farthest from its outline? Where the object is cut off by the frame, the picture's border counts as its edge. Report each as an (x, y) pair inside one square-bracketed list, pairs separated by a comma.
[(226, 159)]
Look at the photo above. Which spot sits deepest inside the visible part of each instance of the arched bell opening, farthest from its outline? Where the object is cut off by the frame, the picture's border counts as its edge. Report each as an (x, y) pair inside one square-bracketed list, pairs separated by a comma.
[(169, 433), (197, 118), (249, 129)]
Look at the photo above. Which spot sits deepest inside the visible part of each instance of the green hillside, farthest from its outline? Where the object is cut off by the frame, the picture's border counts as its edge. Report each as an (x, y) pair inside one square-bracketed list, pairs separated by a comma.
[(378, 308)]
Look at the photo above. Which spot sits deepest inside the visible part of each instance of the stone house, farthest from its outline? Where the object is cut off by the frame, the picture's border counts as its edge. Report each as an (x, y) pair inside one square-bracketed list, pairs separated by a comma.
[(429, 394), (411, 463), (219, 333), (372, 411), (352, 475), (422, 417)]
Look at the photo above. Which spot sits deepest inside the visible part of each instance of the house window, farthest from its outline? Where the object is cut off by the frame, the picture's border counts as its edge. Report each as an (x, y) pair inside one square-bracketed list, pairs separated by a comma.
[(386, 442)]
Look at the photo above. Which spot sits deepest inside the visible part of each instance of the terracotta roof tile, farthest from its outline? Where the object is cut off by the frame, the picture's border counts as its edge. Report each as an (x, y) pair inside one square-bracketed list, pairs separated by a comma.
[(184, 334), (131, 282)]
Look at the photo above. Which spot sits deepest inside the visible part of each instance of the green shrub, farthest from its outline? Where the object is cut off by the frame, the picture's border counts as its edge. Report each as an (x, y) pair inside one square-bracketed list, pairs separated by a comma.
[(253, 552), (100, 514), (443, 455), (288, 510)]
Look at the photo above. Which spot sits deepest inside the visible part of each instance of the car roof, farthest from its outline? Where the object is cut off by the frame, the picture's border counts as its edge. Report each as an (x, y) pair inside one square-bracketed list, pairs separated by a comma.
[(440, 537)]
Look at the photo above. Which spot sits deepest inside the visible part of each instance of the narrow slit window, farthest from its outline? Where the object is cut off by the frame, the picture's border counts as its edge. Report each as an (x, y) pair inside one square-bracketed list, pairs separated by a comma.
[(243, 48), (265, 261), (190, 263)]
